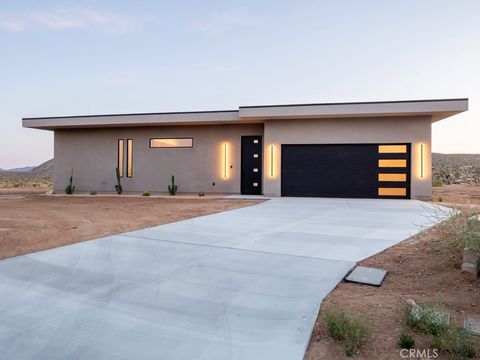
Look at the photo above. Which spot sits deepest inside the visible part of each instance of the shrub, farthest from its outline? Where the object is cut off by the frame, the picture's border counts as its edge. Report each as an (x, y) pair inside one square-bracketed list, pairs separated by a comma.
[(440, 199), (172, 189), (437, 183), (93, 192), (70, 189), (461, 230), (426, 319), (337, 324), (406, 341), (456, 342), (354, 330), (118, 186), (201, 194), (146, 193)]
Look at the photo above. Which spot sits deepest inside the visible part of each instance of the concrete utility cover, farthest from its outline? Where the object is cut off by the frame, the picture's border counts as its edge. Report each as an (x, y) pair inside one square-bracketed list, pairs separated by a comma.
[(472, 324), (244, 284), (368, 276)]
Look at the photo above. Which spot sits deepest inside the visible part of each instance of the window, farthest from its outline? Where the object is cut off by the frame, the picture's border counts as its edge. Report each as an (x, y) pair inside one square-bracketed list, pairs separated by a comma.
[(120, 156), (171, 143), (392, 163), (392, 149), (129, 158)]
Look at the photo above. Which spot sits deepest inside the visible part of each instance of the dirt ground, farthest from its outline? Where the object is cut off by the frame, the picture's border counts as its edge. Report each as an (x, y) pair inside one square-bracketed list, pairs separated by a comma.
[(31, 221), (421, 268)]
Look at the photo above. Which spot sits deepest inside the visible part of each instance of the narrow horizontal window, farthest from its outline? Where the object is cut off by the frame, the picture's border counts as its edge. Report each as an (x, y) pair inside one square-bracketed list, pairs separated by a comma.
[(120, 160), (392, 177), (171, 143), (392, 149), (129, 158), (392, 163), (392, 192)]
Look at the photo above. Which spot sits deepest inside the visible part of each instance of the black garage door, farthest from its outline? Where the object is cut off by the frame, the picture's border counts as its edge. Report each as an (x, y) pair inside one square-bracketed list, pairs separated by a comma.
[(349, 171)]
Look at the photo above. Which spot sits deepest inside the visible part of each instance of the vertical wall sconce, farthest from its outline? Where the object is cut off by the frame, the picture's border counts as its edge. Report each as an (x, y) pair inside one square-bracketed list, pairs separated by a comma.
[(271, 161), (225, 161), (422, 162)]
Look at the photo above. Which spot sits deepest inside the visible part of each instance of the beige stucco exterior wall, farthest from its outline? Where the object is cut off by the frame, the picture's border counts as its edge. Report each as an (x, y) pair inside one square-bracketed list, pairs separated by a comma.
[(92, 153), (414, 130)]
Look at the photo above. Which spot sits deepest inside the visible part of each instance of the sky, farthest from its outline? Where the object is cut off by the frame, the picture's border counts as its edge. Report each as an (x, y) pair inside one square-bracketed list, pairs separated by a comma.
[(123, 56)]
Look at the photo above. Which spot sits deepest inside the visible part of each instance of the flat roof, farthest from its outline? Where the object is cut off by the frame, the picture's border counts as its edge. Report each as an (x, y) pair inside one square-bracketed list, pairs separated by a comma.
[(437, 108)]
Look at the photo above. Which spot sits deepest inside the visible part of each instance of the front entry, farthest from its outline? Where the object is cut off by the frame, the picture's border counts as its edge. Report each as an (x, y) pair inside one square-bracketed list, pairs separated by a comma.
[(251, 175)]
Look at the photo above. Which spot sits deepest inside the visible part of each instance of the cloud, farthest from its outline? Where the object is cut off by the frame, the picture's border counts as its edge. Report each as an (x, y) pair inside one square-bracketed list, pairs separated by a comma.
[(218, 23), (64, 20)]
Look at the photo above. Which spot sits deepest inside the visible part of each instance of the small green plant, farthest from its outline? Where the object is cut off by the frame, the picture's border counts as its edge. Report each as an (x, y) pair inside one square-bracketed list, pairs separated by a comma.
[(354, 330), (426, 319), (456, 342), (406, 341), (172, 189), (201, 194), (437, 183), (118, 187), (93, 192), (337, 324), (146, 193), (70, 189), (440, 199)]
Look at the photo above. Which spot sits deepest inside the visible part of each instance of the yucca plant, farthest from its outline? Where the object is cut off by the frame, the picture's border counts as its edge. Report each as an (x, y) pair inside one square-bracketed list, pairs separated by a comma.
[(70, 189)]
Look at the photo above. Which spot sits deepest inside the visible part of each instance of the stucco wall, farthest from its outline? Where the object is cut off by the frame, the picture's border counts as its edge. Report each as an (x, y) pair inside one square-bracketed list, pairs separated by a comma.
[(414, 130), (92, 153)]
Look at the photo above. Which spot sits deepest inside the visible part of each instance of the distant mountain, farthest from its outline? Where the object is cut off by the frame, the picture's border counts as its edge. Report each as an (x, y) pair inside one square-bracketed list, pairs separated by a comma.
[(21, 169), (39, 176), (456, 168)]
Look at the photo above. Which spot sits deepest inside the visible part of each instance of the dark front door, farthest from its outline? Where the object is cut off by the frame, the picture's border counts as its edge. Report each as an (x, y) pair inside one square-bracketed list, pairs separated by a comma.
[(251, 177), (346, 170)]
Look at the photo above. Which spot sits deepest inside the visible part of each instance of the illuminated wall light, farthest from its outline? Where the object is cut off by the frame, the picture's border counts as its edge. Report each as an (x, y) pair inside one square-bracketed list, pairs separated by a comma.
[(421, 162), (225, 161), (271, 161)]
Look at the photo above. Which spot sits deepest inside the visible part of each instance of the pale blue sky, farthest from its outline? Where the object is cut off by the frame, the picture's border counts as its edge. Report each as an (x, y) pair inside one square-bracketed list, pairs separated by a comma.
[(90, 57)]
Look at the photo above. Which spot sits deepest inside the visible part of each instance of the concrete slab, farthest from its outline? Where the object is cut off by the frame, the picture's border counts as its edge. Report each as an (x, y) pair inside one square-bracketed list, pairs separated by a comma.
[(366, 275), (243, 284)]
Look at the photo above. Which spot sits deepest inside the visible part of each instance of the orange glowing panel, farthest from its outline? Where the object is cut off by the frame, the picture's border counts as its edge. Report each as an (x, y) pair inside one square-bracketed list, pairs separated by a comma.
[(171, 143), (392, 177), (392, 192), (120, 156), (392, 149), (129, 158), (392, 163)]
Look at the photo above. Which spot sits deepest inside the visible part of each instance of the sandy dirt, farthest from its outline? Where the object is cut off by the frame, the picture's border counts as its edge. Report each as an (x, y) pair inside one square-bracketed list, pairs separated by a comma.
[(421, 268), (31, 221)]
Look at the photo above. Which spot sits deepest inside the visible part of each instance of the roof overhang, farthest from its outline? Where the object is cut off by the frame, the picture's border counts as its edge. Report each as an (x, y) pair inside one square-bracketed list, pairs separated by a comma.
[(436, 109)]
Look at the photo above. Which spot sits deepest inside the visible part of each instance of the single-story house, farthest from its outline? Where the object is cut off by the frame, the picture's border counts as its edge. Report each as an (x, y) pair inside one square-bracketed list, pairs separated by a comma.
[(349, 150)]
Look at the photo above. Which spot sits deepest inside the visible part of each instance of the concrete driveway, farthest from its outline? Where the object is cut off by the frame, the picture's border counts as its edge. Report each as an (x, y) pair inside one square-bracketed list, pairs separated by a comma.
[(242, 284)]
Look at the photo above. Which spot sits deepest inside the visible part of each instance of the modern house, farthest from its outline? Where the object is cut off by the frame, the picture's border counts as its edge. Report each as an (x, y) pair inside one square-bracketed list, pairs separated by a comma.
[(357, 150)]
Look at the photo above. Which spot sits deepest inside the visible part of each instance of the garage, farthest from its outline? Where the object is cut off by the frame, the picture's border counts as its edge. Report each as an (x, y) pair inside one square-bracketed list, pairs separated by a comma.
[(346, 170)]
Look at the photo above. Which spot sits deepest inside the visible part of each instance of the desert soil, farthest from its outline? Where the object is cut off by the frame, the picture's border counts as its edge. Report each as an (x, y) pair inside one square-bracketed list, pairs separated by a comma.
[(422, 268), (31, 221)]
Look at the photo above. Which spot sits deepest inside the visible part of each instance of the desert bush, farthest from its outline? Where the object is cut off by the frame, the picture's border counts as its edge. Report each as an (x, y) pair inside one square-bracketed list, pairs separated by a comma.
[(146, 193), (118, 186), (426, 318), (456, 342), (172, 189), (461, 229), (437, 183), (354, 330), (406, 341), (440, 199), (70, 189), (93, 192)]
